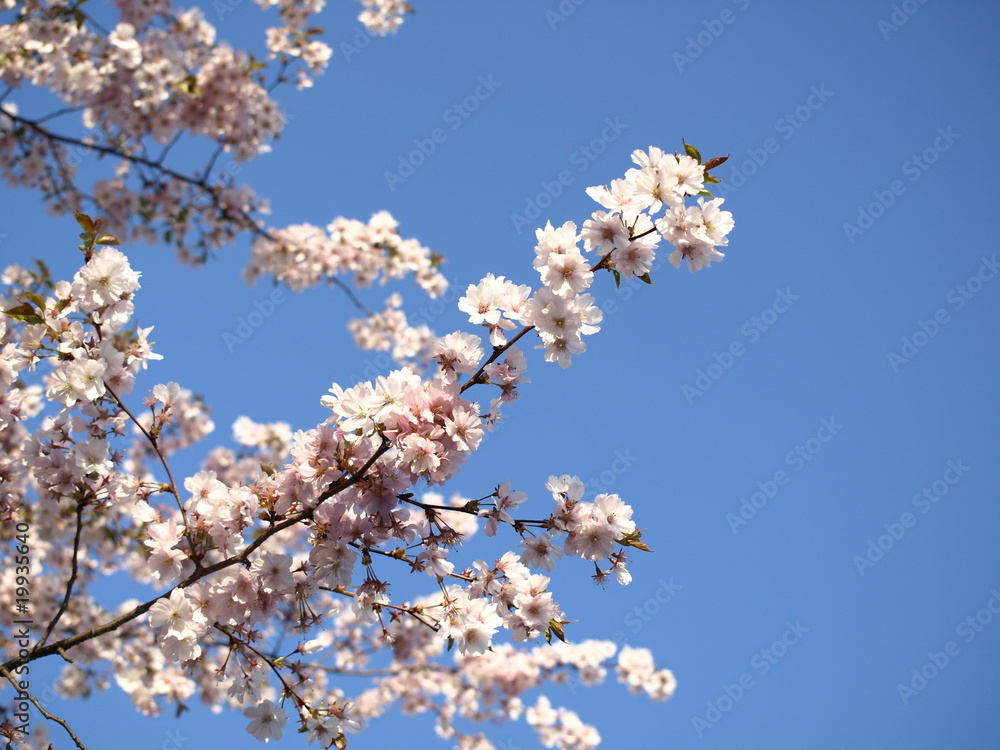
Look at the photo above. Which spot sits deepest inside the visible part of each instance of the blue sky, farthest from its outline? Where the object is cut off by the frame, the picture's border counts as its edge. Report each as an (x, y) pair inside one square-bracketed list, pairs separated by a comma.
[(833, 380)]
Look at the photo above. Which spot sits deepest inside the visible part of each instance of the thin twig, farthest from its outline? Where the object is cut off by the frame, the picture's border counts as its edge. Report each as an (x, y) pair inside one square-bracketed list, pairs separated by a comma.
[(166, 467), (497, 351), (238, 216), (72, 575), (351, 296), (79, 743)]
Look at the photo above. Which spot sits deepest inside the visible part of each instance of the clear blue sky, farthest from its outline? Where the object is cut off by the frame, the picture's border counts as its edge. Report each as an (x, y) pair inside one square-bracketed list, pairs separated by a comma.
[(813, 397)]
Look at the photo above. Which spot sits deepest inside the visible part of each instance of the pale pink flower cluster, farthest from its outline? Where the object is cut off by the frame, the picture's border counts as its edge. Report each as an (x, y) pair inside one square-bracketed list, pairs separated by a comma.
[(296, 39), (181, 625), (88, 362), (497, 304), (154, 73), (470, 622), (140, 84), (261, 444), (627, 230), (592, 529), (384, 16), (561, 728), (389, 331), (292, 531), (304, 255), (624, 236), (16, 403), (274, 438), (636, 669), (177, 419), (104, 287), (489, 686), (430, 425), (457, 354)]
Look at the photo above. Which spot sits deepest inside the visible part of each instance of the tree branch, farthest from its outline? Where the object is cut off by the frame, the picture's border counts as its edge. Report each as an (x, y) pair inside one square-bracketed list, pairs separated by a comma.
[(51, 717)]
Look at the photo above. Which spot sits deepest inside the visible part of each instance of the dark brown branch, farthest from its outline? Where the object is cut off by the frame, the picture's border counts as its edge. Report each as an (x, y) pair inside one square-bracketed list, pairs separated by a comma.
[(74, 568), (76, 740)]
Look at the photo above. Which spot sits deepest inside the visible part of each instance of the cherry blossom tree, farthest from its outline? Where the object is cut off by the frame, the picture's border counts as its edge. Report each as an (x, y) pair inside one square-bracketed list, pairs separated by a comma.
[(300, 532)]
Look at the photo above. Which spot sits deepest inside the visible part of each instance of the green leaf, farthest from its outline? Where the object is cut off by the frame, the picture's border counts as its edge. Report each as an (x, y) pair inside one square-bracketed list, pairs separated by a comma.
[(691, 151), (37, 299), (632, 540), (555, 627), (645, 277), (25, 313), (189, 85), (705, 193), (84, 221), (107, 239), (711, 179), (618, 278), (715, 162)]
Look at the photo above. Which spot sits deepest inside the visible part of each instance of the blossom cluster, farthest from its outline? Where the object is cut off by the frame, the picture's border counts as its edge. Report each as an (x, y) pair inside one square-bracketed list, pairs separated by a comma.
[(158, 74), (384, 16), (294, 532), (390, 331), (140, 83), (622, 239), (304, 255)]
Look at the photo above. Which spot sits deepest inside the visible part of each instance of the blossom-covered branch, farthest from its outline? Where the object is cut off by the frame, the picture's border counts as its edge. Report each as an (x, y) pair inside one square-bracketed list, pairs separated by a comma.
[(297, 533), (274, 548)]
